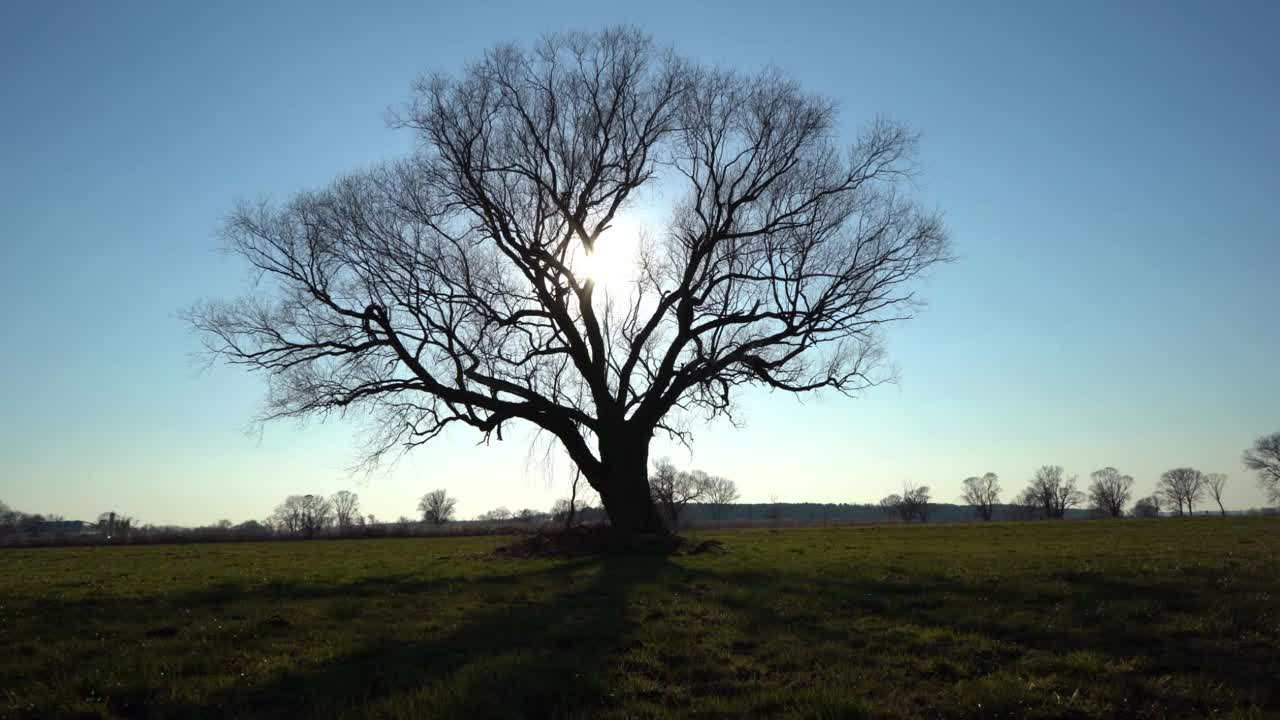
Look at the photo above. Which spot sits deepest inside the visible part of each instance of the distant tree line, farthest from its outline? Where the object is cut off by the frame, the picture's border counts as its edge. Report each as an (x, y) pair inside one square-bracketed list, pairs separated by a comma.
[(1052, 494), (684, 497)]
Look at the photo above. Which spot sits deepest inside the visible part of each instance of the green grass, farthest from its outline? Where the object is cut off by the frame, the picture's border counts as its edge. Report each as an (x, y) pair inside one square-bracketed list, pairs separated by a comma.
[(1077, 619)]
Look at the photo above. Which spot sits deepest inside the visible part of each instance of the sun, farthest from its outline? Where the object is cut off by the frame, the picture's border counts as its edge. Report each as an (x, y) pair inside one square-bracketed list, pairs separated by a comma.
[(611, 264)]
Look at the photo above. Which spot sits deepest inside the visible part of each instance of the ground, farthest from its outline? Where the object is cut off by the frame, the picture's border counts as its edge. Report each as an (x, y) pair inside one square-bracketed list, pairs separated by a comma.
[(1160, 618)]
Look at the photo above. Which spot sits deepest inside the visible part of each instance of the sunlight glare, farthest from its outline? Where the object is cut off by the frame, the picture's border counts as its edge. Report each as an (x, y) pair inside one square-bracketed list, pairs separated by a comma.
[(612, 263)]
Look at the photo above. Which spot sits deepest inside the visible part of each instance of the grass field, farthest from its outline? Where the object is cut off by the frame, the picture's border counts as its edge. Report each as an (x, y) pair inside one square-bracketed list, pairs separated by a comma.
[(1076, 619)]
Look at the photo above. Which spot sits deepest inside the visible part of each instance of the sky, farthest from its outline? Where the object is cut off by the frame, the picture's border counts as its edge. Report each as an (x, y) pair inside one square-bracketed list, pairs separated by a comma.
[(1108, 173)]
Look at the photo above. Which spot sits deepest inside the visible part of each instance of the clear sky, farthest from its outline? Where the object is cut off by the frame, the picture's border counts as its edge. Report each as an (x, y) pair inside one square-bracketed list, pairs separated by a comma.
[(1110, 173)]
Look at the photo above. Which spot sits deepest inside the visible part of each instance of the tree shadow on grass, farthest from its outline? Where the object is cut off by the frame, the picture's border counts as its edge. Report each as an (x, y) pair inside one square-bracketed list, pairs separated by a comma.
[(549, 642), (1091, 613), (543, 659)]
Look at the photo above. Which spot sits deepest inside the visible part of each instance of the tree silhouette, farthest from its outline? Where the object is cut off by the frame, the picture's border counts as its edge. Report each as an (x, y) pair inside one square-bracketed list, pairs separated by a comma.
[(1264, 458), (1147, 507), (451, 288), (1053, 491), (1182, 487), (346, 509), (982, 493), (1110, 491), (720, 492), (1216, 484), (437, 507), (303, 515)]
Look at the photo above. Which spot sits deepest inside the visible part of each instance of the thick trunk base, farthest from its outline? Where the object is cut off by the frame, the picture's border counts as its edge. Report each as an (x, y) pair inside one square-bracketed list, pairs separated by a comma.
[(623, 484)]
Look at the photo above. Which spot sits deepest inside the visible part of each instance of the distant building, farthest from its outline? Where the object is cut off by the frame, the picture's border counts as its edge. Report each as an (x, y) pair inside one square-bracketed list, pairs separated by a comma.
[(64, 528)]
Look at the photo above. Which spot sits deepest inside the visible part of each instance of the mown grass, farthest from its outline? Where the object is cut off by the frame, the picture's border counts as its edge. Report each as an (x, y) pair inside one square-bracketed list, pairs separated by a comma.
[(1076, 619)]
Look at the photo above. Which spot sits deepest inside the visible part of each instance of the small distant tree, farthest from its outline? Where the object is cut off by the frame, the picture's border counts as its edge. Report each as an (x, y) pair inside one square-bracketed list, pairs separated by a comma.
[(500, 514), (304, 515), (915, 502), (115, 526), (1182, 487), (891, 506), (1054, 491), (1147, 507), (1215, 484), (982, 493), (1026, 506), (563, 512), (317, 514), (672, 490), (346, 508), (720, 493), (287, 517), (251, 529), (9, 520), (911, 505), (30, 524), (437, 507), (1109, 492), (774, 510), (1264, 458)]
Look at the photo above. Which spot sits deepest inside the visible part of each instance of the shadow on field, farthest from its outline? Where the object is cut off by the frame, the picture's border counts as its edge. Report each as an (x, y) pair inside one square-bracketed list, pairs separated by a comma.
[(728, 636), (1219, 648), (535, 659)]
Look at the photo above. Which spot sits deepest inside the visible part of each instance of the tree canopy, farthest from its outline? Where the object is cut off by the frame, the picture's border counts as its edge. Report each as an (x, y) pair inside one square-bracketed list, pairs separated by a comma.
[(449, 288)]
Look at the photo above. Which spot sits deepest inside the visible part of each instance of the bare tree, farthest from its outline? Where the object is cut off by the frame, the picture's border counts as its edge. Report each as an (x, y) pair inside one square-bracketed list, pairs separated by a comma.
[(288, 515), (673, 489), (115, 526), (454, 287), (303, 515), (774, 510), (1054, 492), (1026, 505), (1182, 487), (720, 492), (1264, 458), (1215, 483), (437, 507), (891, 506), (912, 504), (346, 508), (1147, 507), (982, 493), (915, 503), (9, 519), (252, 529), (1110, 491), (500, 514)]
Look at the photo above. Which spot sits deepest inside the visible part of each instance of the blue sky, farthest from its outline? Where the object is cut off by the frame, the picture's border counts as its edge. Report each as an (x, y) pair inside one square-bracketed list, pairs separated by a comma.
[(1108, 172)]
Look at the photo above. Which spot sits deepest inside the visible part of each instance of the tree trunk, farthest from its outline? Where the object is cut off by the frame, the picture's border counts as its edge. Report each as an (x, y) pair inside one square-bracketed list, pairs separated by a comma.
[(623, 484)]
